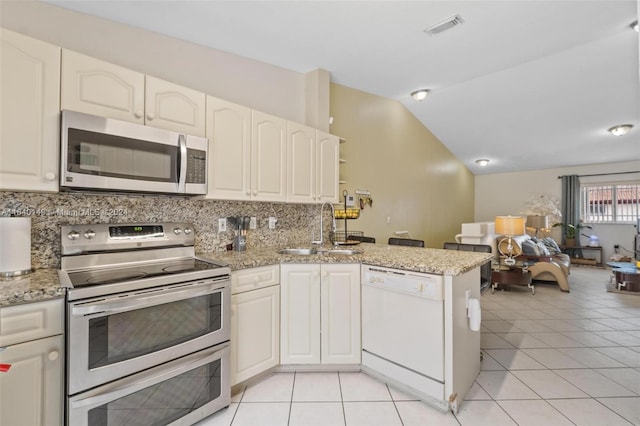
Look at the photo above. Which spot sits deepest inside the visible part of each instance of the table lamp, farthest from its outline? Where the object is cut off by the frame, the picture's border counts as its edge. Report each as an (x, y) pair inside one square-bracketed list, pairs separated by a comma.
[(537, 222), (509, 226)]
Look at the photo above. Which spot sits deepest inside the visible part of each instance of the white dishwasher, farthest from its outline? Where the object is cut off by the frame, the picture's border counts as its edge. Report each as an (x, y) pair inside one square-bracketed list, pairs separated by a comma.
[(403, 328)]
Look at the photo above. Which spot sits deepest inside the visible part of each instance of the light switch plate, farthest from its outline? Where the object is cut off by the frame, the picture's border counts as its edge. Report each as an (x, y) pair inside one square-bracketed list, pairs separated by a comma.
[(222, 224), (272, 222), (253, 223)]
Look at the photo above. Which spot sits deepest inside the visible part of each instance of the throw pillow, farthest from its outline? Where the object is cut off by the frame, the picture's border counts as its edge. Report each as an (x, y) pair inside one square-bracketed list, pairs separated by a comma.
[(551, 245), (530, 248)]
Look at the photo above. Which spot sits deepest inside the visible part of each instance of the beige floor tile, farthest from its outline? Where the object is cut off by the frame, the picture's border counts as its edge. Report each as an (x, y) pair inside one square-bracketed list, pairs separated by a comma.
[(483, 413), (557, 340), (504, 385), (590, 357), (594, 383), (534, 413), (361, 387), (316, 387), (493, 341), (548, 385), (514, 359), (626, 356), (523, 340), (277, 387), (588, 412), (262, 413), (371, 414), (414, 413), (627, 377), (476, 393), (316, 414), (629, 408)]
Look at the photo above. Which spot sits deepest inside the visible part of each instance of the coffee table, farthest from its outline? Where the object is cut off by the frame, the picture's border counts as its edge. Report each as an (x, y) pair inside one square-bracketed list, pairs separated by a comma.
[(626, 274), (517, 274)]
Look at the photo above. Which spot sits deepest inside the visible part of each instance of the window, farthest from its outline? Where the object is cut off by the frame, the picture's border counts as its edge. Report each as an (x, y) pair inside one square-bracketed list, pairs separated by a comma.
[(610, 203)]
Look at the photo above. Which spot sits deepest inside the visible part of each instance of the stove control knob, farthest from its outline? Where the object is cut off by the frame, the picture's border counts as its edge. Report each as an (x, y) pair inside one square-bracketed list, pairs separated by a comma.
[(73, 235), (187, 231), (177, 231), (89, 234)]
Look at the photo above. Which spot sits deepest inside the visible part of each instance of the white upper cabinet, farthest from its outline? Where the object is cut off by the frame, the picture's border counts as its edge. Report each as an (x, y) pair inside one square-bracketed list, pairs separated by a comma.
[(301, 163), (29, 105), (173, 107), (229, 132), (100, 88), (96, 87), (312, 165), (268, 157), (327, 167)]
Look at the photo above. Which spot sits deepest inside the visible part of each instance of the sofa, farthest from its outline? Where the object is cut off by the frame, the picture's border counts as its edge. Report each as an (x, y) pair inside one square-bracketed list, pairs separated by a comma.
[(549, 265)]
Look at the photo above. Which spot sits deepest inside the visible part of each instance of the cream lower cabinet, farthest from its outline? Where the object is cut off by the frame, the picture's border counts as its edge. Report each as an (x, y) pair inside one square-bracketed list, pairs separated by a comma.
[(29, 108), (31, 341), (255, 322), (100, 88), (320, 314)]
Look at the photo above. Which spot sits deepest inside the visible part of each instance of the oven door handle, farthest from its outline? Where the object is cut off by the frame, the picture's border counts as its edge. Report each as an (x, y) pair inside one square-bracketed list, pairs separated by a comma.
[(131, 384), (109, 306)]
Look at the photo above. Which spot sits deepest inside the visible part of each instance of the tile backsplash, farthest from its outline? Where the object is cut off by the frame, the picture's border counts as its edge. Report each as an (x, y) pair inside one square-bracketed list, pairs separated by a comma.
[(48, 211)]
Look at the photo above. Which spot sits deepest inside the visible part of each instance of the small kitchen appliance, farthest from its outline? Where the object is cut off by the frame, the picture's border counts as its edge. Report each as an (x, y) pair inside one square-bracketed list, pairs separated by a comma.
[(147, 325)]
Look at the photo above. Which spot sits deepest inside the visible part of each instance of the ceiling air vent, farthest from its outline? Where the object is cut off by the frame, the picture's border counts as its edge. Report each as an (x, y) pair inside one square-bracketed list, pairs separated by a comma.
[(451, 22)]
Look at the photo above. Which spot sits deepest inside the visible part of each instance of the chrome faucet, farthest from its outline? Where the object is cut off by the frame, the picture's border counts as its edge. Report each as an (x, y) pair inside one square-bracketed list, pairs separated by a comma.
[(333, 222)]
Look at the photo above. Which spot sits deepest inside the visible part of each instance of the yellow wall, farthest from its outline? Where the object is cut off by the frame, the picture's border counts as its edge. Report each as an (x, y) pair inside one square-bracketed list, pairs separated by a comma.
[(413, 179)]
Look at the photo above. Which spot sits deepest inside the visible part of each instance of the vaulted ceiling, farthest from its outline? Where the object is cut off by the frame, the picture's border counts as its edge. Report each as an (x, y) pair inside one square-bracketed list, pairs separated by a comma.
[(524, 84)]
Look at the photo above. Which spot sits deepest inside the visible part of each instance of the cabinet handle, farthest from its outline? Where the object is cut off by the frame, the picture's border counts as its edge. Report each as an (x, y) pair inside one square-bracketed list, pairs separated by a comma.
[(138, 114), (151, 116), (53, 355), (50, 176), (255, 192), (248, 192)]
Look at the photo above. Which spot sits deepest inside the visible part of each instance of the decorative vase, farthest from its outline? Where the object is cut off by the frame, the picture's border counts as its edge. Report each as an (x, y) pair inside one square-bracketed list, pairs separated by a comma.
[(570, 242)]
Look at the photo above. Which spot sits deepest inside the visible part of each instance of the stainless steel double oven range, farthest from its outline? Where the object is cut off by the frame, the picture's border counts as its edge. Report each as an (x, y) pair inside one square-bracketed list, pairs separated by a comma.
[(147, 325)]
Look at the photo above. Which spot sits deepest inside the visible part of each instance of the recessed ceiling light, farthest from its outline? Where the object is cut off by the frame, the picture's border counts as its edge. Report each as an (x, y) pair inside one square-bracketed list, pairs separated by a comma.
[(621, 129), (420, 95), (634, 25), (445, 25), (482, 162)]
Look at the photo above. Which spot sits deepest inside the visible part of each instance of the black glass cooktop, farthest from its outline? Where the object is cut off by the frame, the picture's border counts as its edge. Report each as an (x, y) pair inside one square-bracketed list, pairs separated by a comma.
[(147, 270)]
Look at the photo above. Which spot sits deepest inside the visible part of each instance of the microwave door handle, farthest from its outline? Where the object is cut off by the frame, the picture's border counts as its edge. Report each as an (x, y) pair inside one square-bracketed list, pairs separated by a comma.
[(182, 164)]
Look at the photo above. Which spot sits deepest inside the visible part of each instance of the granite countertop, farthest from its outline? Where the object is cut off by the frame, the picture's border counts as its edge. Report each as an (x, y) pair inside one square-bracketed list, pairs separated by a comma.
[(44, 284), (427, 260)]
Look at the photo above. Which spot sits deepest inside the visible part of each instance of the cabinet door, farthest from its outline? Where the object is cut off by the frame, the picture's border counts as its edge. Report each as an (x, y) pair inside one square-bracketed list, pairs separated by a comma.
[(340, 314), (96, 87), (327, 167), (255, 332), (31, 391), (300, 314), (268, 158), (229, 132), (29, 107), (301, 163), (174, 107)]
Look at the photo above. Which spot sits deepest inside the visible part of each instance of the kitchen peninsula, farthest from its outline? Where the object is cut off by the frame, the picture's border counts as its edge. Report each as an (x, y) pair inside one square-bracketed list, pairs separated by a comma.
[(460, 279)]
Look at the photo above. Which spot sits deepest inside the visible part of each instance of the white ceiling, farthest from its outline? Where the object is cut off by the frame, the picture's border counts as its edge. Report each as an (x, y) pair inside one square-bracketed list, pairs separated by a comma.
[(525, 84)]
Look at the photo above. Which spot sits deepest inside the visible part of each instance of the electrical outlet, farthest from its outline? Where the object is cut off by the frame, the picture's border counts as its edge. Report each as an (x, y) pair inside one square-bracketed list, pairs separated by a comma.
[(272, 222), (253, 223), (222, 224)]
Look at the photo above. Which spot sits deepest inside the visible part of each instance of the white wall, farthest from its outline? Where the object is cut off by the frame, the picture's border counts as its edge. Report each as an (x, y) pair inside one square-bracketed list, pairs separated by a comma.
[(508, 193), (241, 80)]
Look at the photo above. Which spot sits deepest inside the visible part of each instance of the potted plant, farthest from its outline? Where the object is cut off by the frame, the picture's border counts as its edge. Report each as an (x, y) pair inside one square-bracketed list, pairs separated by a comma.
[(571, 232)]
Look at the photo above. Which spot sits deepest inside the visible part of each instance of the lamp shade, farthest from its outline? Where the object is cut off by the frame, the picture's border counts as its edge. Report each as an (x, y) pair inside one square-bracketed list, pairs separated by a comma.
[(538, 221), (509, 225)]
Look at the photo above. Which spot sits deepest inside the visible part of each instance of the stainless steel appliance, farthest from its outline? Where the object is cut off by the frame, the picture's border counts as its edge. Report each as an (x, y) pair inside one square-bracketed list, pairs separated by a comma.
[(100, 153), (147, 325)]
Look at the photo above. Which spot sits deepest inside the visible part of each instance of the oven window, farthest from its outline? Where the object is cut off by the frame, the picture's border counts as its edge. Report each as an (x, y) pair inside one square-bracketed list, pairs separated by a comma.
[(127, 335), (162, 403), (115, 156)]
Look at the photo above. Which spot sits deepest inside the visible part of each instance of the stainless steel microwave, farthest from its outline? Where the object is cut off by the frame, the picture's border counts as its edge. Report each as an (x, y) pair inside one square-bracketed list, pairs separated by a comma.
[(100, 153)]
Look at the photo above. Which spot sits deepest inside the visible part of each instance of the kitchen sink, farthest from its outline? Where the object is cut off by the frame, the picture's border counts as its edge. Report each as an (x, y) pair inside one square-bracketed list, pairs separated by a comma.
[(299, 251), (344, 251)]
